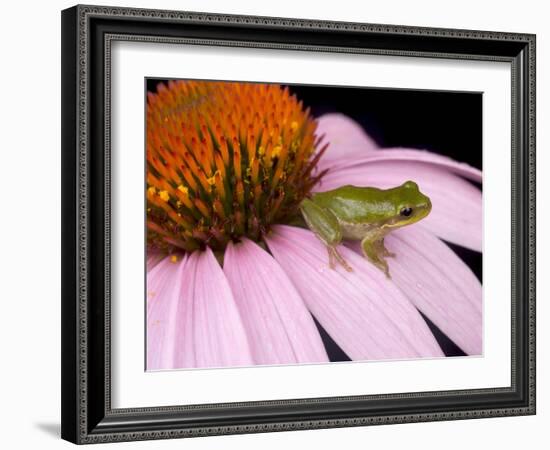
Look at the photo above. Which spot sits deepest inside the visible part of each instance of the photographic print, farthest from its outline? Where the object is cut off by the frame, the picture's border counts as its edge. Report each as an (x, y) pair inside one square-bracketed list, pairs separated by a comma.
[(299, 224)]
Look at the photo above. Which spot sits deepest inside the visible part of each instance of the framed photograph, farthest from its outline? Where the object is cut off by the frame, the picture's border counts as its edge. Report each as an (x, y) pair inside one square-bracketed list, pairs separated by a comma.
[(281, 224)]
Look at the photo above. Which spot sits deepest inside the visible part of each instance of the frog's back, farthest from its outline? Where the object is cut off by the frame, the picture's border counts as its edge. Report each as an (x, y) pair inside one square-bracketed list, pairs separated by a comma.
[(353, 204)]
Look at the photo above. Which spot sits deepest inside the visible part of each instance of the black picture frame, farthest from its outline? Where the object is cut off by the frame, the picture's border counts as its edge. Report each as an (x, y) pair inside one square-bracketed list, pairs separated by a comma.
[(87, 33)]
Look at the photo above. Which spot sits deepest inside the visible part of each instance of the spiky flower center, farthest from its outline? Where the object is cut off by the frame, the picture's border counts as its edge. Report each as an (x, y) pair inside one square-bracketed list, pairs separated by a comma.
[(225, 160)]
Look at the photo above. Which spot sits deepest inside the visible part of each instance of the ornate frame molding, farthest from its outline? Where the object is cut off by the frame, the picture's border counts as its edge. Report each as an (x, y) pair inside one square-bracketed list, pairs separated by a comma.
[(87, 422)]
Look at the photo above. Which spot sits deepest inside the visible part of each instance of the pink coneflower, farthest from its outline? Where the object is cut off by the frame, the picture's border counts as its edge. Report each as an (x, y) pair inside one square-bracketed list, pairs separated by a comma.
[(234, 279)]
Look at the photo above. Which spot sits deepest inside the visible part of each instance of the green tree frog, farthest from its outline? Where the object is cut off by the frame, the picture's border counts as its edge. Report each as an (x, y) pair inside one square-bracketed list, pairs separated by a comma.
[(367, 214)]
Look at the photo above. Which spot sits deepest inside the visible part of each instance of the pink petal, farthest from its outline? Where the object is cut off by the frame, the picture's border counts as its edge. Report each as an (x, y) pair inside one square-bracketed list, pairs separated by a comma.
[(365, 313), (439, 284), (218, 337), (280, 328), (456, 214), (346, 139), (153, 258), (424, 156), (194, 322), (162, 312)]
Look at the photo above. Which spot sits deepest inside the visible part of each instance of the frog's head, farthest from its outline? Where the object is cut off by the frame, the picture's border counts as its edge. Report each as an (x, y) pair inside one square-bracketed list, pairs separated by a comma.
[(410, 205)]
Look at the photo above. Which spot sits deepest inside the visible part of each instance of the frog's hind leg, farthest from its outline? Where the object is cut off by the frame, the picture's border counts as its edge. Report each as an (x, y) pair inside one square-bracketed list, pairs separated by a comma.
[(326, 227)]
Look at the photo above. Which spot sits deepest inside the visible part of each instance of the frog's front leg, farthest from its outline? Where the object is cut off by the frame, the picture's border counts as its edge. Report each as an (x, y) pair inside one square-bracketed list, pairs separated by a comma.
[(375, 251), (326, 227)]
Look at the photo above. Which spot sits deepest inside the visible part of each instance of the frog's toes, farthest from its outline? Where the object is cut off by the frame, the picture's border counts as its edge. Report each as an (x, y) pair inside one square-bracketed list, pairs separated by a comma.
[(334, 255), (379, 262), (346, 265), (383, 266)]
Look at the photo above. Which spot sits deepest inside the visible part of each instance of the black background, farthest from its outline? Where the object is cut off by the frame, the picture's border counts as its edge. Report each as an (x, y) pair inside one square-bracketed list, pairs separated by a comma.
[(447, 123)]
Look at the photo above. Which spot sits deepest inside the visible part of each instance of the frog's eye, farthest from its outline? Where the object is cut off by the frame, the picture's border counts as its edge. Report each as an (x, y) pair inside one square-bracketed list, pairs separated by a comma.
[(406, 212)]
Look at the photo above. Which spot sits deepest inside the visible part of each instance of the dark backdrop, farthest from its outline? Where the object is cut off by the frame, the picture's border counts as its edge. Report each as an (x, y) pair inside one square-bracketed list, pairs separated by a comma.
[(447, 123)]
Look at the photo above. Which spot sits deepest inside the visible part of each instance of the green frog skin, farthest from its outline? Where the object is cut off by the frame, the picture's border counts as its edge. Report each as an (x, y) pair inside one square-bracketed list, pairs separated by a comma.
[(365, 214)]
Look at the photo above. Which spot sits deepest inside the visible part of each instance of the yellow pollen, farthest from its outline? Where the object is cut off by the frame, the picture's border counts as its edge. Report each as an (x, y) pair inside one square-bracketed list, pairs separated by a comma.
[(212, 180), (183, 189), (294, 125), (164, 196), (152, 190), (174, 258), (276, 151)]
